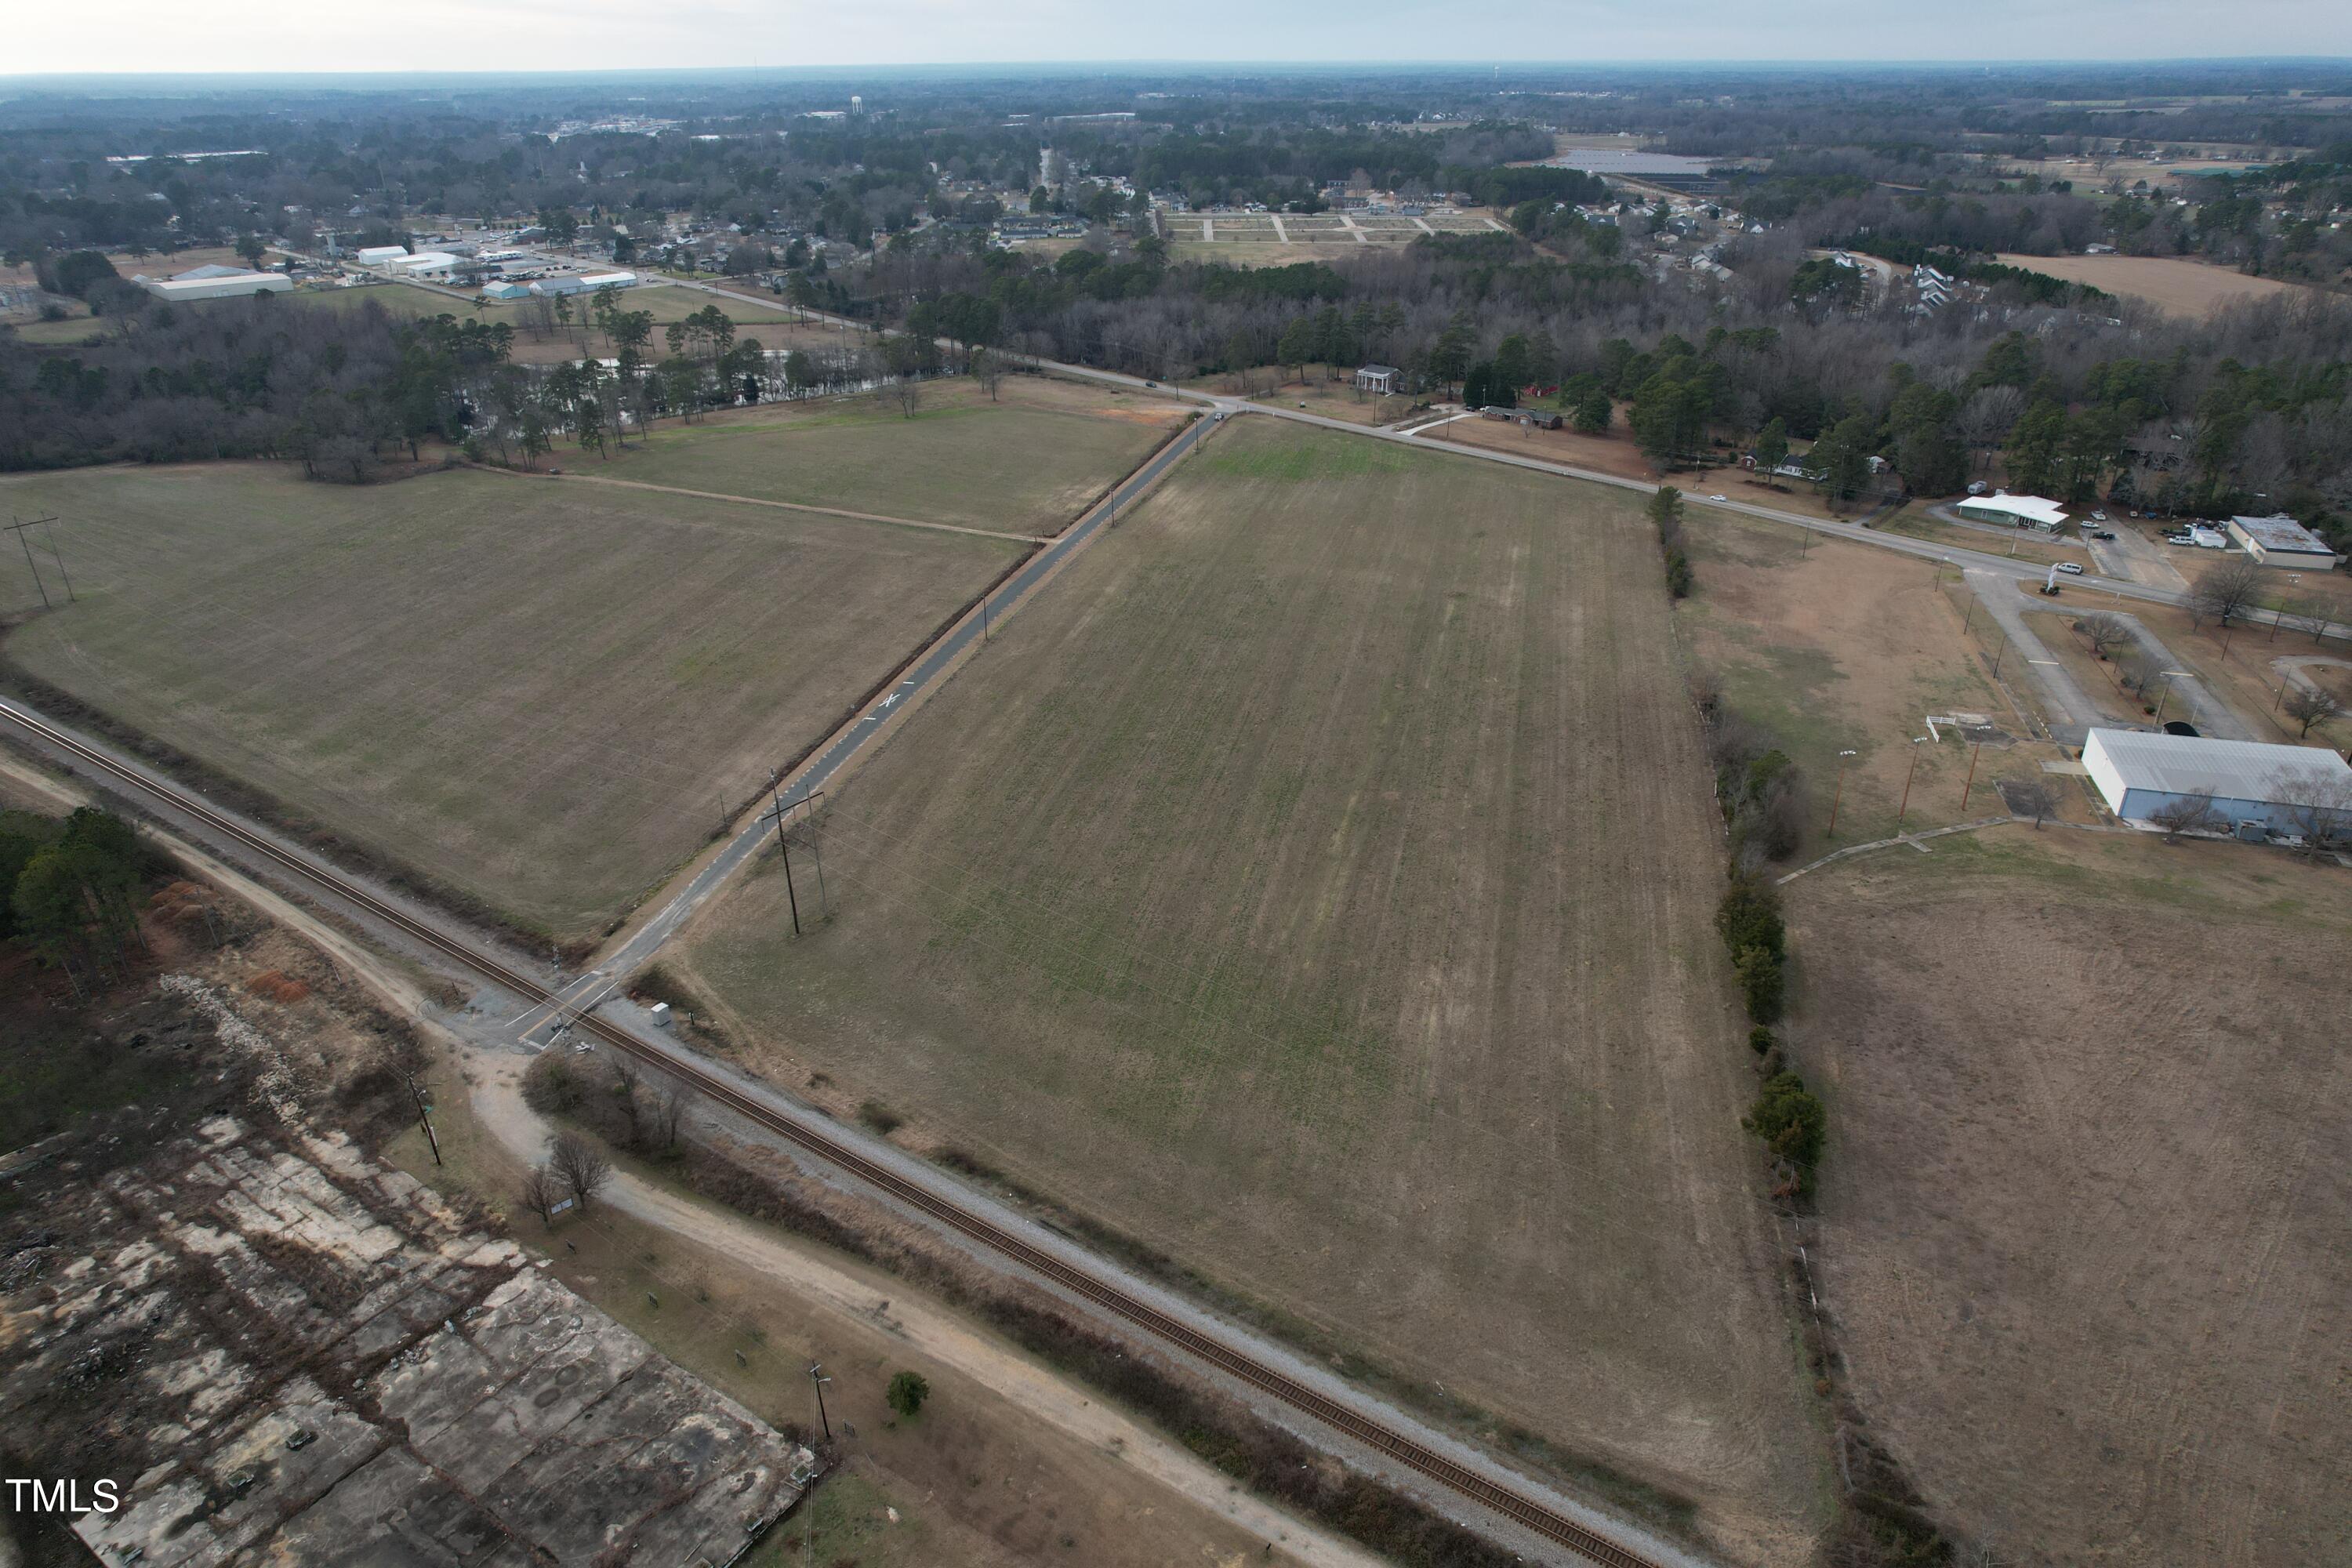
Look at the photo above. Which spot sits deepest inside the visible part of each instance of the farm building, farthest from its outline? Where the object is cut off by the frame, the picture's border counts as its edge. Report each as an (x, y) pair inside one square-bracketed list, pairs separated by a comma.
[(2139, 774), (2002, 507), (377, 255), (1380, 378), (2281, 541), (583, 283), (506, 290), (223, 283)]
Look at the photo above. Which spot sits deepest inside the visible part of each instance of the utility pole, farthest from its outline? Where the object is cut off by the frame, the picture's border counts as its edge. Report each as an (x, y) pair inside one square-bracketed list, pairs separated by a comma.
[(817, 1377), (784, 847), (1838, 793), (49, 532), (1903, 810), (19, 528), (423, 1117), (1965, 788)]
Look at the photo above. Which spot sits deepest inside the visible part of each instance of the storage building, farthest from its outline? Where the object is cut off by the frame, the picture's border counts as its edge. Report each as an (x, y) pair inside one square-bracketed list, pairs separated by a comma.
[(219, 286), (2281, 541), (2139, 774), (2002, 507), (377, 255), (583, 283), (427, 264)]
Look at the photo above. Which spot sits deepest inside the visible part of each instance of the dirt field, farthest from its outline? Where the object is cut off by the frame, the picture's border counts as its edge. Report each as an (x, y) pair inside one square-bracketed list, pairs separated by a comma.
[(2091, 1152), (1834, 647), (2177, 284), (1028, 463), (1315, 885), (538, 693)]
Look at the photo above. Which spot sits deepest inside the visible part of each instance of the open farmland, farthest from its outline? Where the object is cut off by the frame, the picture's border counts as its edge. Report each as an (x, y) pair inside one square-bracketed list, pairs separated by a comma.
[(536, 693), (1315, 885), (1028, 463), (2173, 283), (2091, 1155)]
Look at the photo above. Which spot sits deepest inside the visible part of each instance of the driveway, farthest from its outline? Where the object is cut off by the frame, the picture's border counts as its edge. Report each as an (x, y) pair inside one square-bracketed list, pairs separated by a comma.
[(2190, 697), (2070, 711)]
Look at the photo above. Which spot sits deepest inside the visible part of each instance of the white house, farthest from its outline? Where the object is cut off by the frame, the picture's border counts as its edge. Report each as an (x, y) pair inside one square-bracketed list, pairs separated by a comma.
[(2280, 540), (2139, 774), (2002, 507), (1380, 378)]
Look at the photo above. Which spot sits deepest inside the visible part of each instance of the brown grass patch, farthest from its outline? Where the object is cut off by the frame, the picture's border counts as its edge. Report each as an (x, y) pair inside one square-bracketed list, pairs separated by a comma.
[(277, 985)]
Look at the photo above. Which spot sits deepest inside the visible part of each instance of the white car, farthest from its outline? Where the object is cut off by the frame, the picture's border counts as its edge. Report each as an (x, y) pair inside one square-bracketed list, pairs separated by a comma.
[(2071, 568), (1718, 498)]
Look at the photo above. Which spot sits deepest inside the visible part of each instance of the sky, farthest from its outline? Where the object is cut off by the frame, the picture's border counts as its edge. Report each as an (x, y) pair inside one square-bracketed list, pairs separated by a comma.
[(178, 36)]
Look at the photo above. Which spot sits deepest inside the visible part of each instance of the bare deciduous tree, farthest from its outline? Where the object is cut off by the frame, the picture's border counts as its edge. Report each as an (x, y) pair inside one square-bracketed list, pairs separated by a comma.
[(542, 1191), (2319, 804), (2225, 590), (2310, 706), (2105, 633), (2187, 815), (668, 1116), (626, 1075), (2031, 794), (580, 1165)]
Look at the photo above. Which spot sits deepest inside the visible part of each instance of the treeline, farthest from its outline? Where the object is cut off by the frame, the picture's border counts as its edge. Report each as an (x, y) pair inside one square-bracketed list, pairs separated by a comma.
[(74, 890)]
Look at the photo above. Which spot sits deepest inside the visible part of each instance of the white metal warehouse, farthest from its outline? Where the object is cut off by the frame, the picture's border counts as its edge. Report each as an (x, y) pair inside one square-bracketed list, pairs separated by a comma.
[(223, 283), (2140, 774), (2001, 507)]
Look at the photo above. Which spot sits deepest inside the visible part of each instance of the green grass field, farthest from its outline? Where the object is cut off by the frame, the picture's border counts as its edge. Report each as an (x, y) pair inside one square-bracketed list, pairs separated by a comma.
[(1315, 884), (536, 694), (1028, 463)]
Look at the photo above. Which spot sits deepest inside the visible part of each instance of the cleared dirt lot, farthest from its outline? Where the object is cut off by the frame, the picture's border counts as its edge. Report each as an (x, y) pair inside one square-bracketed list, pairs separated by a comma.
[(1027, 463), (2091, 1152), (1315, 885), (536, 694), (2174, 283)]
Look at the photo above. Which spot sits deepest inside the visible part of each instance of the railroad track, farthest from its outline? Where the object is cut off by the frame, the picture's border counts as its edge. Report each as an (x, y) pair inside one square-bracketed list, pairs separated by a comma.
[(1546, 1521)]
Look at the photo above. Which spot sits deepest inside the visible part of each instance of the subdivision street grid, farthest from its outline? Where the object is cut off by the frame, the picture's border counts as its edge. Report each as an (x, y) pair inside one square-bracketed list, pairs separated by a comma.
[(238, 839)]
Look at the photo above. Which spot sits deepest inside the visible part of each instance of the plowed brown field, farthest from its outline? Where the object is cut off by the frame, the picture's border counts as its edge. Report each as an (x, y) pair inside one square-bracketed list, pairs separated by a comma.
[(1315, 884), (2090, 1161)]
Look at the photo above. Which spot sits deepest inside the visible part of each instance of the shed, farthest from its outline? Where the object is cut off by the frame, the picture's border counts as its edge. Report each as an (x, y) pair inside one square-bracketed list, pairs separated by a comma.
[(2139, 774)]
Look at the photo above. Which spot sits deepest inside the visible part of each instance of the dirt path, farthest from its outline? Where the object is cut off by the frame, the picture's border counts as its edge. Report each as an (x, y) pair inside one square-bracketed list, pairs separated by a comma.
[(763, 500), (497, 1102)]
